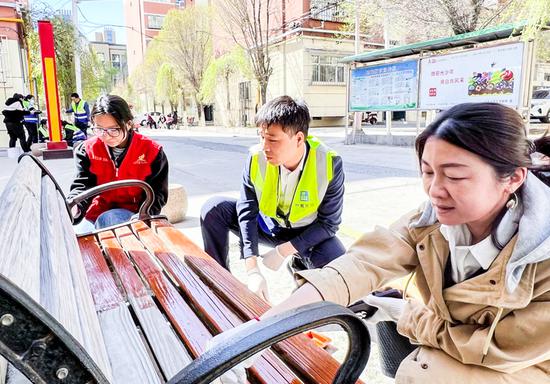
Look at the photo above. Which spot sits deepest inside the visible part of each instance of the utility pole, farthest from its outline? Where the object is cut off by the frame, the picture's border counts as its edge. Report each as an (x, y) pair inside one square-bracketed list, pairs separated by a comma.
[(356, 115), (77, 48)]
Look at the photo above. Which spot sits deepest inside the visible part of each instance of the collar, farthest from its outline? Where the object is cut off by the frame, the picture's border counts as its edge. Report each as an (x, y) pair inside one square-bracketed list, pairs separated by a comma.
[(485, 252)]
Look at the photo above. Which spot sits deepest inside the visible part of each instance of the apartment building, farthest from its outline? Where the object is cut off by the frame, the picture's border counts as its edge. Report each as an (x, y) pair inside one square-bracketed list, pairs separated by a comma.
[(14, 76), (143, 19), (305, 47), (111, 54)]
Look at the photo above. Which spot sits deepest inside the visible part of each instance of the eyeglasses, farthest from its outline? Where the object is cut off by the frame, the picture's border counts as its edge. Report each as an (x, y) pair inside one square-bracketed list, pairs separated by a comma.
[(113, 132)]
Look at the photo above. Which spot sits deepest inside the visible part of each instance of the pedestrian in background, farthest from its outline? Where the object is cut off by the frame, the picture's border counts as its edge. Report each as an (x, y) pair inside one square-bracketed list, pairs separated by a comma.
[(81, 111), (13, 118), (31, 120)]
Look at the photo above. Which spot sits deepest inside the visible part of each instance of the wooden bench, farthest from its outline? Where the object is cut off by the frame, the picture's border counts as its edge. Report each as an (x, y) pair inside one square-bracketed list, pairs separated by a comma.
[(138, 302)]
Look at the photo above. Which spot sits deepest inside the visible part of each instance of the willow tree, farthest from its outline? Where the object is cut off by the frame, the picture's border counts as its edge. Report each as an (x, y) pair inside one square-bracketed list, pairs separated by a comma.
[(187, 46), (220, 70)]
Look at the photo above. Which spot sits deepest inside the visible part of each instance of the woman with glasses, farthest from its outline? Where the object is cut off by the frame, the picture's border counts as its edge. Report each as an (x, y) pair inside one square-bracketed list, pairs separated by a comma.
[(116, 152)]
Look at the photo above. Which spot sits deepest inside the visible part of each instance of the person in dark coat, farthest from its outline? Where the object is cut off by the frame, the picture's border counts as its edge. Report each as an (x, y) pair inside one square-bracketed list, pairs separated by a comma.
[(13, 119)]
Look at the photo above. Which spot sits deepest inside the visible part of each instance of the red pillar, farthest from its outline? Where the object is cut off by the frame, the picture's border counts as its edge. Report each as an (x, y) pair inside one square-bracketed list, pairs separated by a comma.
[(49, 73)]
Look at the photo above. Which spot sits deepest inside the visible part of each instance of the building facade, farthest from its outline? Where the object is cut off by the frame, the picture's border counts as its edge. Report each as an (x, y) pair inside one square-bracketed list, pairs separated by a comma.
[(113, 55), (14, 59), (143, 19), (305, 47)]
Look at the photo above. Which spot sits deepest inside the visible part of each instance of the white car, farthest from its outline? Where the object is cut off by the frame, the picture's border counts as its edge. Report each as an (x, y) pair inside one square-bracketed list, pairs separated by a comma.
[(540, 105)]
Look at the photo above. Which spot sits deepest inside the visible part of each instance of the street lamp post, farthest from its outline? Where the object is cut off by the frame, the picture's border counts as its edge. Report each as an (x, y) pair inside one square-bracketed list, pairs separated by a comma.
[(77, 47)]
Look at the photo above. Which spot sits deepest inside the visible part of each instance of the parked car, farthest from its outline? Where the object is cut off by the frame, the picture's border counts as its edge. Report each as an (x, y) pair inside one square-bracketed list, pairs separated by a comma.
[(540, 105)]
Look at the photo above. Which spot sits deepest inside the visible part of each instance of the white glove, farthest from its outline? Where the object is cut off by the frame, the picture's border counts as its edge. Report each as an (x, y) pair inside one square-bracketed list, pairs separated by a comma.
[(273, 259), (257, 283), (389, 308), (237, 374)]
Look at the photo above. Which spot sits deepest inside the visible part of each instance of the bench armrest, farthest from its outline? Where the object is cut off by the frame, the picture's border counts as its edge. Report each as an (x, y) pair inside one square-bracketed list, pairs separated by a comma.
[(143, 209), (38, 345), (213, 363)]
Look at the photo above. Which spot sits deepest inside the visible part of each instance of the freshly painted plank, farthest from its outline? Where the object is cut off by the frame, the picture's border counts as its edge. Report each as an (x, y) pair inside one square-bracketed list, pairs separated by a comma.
[(298, 352), (129, 358), (193, 332), (269, 368), (167, 348)]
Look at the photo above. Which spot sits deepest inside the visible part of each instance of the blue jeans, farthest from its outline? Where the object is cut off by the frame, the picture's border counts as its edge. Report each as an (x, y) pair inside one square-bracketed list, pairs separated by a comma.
[(106, 219)]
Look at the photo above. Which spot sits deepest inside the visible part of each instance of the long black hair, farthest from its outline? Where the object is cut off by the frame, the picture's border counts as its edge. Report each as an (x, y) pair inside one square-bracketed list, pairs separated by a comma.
[(495, 133), (115, 106)]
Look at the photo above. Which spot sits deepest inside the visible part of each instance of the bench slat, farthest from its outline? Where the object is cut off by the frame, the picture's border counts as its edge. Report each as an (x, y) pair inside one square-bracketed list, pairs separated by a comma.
[(20, 261), (168, 349), (65, 291), (89, 322), (184, 320), (298, 352), (215, 312), (129, 358)]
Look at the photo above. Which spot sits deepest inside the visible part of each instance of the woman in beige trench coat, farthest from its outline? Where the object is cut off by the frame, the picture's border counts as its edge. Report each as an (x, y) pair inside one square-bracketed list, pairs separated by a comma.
[(479, 250)]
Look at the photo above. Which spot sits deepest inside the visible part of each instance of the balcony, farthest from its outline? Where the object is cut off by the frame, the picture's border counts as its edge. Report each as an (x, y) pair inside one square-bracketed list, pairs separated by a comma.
[(327, 10)]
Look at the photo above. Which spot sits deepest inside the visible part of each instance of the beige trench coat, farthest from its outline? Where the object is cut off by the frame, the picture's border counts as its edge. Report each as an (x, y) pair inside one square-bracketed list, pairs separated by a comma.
[(472, 332)]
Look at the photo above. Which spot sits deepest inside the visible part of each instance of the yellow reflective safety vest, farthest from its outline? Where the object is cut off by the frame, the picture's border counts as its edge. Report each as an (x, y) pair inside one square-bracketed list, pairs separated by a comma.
[(80, 114), (310, 190)]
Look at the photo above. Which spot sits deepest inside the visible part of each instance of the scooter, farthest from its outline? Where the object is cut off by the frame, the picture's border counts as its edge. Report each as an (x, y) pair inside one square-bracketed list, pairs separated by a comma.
[(370, 117)]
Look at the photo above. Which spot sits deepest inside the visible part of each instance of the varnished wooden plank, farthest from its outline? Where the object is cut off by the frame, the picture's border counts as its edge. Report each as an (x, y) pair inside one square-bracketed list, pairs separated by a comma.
[(168, 349), (268, 369), (102, 285), (129, 358), (193, 332), (298, 352)]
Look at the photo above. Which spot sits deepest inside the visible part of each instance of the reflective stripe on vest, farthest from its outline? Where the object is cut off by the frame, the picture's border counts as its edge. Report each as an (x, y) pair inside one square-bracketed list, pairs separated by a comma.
[(30, 118), (79, 111), (310, 191)]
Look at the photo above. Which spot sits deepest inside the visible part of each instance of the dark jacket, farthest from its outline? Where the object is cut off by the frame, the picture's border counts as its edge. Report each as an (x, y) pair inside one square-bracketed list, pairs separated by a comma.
[(14, 111), (325, 226), (85, 179)]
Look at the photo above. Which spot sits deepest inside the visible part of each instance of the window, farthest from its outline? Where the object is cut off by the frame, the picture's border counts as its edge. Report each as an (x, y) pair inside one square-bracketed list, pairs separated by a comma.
[(4, 60), (154, 21), (244, 90), (327, 10), (327, 69), (101, 56), (547, 77), (115, 60)]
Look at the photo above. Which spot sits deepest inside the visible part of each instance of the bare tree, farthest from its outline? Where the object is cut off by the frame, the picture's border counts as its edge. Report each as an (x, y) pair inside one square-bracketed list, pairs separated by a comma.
[(247, 21), (186, 41), (413, 20)]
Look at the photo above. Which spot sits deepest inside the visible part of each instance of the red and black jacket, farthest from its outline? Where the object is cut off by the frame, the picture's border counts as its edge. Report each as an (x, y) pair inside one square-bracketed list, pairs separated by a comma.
[(143, 159)]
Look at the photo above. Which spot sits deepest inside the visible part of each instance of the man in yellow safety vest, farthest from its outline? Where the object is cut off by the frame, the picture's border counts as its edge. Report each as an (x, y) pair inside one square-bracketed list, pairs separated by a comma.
[(291, 198)]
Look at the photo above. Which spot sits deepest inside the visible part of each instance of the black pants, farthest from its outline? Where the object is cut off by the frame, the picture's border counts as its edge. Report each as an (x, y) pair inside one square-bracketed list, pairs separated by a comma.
[(16, 131), (32, 131), (82, 126), (219, 217)]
